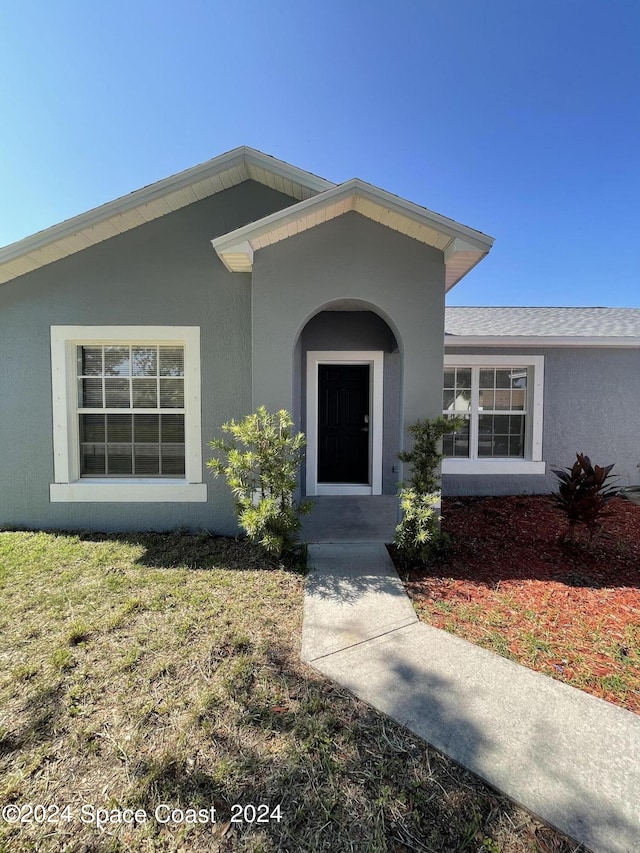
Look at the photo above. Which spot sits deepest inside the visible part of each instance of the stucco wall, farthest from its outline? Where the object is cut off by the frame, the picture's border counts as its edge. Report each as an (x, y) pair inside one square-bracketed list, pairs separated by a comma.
[(353, 258), (591, 405), (162, 273)]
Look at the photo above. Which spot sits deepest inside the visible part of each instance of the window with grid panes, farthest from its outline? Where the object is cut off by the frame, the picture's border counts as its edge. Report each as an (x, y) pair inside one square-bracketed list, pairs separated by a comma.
[(131, 410), (493, 402)]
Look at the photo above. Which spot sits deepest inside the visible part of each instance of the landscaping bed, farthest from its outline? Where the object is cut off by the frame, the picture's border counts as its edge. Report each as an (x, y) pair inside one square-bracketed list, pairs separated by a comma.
[(164, 669), (512, 581)]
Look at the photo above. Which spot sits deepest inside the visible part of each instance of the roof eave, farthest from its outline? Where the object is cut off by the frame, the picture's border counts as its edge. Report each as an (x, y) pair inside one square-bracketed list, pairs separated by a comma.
[(452, 340), (463, 247), (245, 160)]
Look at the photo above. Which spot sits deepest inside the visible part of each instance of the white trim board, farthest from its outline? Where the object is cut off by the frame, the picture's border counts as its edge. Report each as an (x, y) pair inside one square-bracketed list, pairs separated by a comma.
[(68, 486), (376, 359)]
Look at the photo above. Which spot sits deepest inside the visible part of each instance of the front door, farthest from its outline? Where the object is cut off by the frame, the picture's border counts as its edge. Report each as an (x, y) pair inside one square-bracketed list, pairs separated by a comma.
[(343, 423)]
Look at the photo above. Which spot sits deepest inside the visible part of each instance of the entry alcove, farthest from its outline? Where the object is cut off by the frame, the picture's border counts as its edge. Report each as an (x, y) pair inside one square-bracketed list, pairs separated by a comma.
[(347, 398)]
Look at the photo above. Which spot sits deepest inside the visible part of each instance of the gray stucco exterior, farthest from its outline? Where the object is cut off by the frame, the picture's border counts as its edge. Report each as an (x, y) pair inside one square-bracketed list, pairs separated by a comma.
[(590, 406), (163, 272)]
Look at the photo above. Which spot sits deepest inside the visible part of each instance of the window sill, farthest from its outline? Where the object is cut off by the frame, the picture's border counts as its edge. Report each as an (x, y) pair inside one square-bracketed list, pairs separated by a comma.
[(128, 491), (492, 466)]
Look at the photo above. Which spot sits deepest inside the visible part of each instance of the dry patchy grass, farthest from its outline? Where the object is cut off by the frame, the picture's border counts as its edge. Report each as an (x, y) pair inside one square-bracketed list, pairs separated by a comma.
[(165, 669)]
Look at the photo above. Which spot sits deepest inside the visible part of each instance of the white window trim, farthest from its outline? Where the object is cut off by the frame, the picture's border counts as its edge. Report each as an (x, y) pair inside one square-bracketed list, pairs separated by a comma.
[(532, 463), (376, 359), (68, 486)]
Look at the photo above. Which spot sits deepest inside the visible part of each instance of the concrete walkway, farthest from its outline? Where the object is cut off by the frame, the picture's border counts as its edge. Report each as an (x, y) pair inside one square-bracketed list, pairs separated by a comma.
[(571, 759)]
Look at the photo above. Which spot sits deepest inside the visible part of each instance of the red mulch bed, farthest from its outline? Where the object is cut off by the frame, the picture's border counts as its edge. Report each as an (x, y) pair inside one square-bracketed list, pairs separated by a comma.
[(511, 582)]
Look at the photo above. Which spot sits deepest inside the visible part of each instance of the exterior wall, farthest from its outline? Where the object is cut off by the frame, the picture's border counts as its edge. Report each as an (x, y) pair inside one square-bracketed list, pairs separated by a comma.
[(162, 273), (360, 330), (591, 405), (349, 258)]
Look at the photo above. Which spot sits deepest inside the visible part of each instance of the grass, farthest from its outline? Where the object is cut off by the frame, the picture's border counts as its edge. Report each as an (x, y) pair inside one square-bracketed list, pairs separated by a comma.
[(155, 669)]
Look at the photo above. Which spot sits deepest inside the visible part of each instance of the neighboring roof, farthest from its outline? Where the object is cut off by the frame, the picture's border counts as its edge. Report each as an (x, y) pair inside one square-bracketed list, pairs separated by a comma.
[(540, 324), (318, 200), (463, 247), (154, 201)]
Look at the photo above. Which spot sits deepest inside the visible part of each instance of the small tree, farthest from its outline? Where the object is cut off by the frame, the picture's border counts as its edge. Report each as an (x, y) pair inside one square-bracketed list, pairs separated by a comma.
[(419, 528), (260, 461), (583, 493)]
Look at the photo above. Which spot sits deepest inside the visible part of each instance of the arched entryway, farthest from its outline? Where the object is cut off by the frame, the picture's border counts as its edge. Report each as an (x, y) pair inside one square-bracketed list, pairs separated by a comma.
[(348, 389)]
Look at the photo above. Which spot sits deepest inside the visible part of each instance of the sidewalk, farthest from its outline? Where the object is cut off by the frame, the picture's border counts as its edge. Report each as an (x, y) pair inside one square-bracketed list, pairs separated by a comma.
[(569, 758)]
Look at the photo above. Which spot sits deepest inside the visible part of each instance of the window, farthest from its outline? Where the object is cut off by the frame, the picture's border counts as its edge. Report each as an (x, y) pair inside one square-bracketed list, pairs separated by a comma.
[(131, 410), (126, 404), (500, 399)]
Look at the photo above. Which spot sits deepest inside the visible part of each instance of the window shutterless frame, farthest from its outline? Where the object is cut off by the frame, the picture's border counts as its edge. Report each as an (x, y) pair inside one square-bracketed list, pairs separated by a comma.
[(68, 485), (532, 462)]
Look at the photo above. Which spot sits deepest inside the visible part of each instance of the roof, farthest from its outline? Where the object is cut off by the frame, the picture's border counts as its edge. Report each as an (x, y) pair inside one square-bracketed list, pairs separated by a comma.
[(316, 200), (541, 324)]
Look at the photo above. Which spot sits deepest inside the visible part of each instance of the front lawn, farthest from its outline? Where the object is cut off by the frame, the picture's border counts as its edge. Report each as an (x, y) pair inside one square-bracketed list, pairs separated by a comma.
[(164, 669), (509, 583)]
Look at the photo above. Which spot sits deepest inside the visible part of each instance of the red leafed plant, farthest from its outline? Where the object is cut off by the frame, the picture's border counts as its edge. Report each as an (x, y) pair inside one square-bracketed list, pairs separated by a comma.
[(584, 492)]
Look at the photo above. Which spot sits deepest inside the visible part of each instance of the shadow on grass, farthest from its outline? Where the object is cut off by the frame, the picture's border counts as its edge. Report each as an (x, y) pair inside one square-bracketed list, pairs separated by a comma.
[(38, 722), (202, 551)]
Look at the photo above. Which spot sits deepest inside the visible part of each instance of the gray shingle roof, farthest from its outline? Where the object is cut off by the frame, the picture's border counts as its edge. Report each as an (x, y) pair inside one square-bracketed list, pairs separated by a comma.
[(543, 322)]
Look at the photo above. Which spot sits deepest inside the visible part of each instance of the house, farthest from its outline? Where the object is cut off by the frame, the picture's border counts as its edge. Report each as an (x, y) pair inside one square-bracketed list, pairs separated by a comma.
[(130, 333)]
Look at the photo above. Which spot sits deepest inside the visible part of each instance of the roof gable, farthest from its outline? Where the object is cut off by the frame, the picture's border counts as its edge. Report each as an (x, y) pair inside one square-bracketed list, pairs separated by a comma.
[(154, 201), (463, 247)]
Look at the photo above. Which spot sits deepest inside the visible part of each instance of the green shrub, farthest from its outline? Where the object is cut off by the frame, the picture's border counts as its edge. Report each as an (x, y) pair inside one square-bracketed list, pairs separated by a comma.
[(260, 461), (583, 492), (418, 535), (418, 531)]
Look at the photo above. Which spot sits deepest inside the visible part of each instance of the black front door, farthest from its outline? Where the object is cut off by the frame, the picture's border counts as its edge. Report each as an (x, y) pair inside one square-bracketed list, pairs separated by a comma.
[(343, 423)]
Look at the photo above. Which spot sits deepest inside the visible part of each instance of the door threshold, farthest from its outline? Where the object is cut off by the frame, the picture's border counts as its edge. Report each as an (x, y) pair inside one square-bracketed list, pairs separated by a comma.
[(343, 489)]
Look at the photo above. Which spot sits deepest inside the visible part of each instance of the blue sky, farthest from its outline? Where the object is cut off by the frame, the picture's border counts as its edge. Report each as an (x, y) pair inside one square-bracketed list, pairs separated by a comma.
[(517, 117)]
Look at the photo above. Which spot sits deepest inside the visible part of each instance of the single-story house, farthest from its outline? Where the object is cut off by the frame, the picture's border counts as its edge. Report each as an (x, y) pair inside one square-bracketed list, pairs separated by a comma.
[(130, 333)]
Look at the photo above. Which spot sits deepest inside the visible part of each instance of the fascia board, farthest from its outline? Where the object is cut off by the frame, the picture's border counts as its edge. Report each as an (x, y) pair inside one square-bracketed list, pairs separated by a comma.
[(352, 189), (539, 341), (421, 214)]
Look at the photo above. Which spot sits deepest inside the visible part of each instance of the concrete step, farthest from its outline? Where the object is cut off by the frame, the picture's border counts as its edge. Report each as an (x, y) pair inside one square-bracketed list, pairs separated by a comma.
[(351, 518)]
